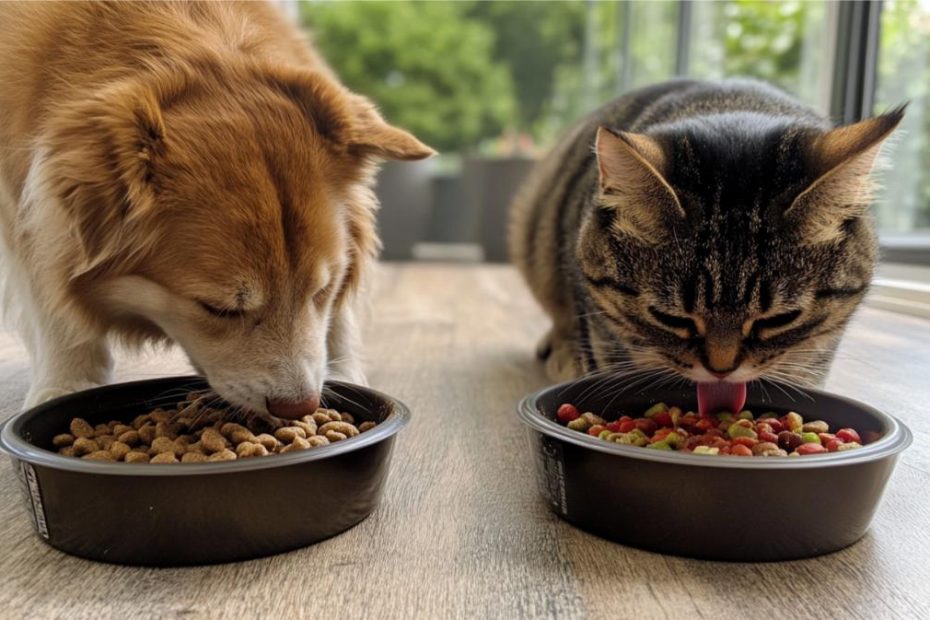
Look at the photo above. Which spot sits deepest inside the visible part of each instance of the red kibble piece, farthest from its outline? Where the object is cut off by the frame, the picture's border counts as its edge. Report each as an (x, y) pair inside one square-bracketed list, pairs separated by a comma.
[(768, 436), (567, 413), (646, 425), (776, 425), (661, 434), (749, 442), (626, 426), (810, 448), (848, 435), (833, 445), (826, 437), (597, 429), (663, 419), (740, 449), (613, 427)]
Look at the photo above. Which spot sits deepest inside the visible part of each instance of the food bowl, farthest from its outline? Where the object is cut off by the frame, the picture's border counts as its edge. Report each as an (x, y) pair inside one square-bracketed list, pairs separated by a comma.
[(199, 513), (712, 507)]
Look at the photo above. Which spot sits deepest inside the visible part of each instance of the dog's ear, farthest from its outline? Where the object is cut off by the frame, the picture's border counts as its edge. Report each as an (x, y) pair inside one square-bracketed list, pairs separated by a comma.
[(101, 164), (348, 120)]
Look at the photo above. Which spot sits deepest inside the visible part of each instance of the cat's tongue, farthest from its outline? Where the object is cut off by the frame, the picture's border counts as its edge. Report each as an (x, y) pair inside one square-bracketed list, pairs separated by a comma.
[(721, 396)]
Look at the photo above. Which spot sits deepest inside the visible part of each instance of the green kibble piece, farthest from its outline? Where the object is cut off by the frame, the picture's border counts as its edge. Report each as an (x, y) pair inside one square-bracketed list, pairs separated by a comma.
[(810, 438), (745, 415), (633, 438), (705, 450), (660, 445), (579, 424), (724, 416), (739, 430), (655, 410), (675, 440), (604, 434), (794, 421)]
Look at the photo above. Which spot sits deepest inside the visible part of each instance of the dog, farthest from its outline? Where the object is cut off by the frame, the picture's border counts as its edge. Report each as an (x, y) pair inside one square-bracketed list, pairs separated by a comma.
[(186, 172)]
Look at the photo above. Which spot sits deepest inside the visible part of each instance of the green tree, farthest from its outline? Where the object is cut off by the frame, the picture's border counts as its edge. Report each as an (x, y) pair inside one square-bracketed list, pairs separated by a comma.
[(428, 65)]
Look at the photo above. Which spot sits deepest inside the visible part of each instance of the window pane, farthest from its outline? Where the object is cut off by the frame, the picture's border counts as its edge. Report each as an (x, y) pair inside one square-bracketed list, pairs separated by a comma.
[(786, 43), (904, 75)]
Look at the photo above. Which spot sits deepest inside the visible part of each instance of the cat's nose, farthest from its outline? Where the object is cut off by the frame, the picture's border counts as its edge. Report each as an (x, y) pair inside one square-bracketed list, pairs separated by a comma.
[(293, 410), (720, 375)]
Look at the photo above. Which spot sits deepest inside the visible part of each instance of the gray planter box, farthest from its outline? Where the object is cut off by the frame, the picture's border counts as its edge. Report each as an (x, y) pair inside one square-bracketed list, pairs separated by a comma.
[(489, 186), (405, 192)]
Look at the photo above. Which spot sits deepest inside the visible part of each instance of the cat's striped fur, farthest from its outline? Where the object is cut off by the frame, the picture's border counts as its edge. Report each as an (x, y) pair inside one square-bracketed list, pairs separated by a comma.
[(707, 229)]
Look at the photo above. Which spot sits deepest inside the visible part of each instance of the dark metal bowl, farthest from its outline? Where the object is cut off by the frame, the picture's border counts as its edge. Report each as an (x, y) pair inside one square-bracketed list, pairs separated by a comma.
[(712, 507), (197, 513)]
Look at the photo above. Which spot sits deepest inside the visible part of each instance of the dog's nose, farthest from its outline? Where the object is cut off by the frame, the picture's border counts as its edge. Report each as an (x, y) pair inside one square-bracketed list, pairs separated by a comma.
[(292, 410)]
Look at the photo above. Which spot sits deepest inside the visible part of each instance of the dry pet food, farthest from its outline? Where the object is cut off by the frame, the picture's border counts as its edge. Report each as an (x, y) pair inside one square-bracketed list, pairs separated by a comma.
[(194, 433), (669, 428)]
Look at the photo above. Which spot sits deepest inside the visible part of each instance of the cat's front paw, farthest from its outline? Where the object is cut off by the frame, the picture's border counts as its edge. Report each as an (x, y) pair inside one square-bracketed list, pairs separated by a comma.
[(563, 362)]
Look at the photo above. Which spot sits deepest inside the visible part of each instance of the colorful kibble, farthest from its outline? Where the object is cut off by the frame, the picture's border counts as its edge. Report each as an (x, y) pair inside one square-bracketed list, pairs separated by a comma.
[(665, 428)]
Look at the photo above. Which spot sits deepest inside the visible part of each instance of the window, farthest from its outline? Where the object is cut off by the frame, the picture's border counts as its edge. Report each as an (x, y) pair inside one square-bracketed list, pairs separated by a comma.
[(904, 74), (501, 80)]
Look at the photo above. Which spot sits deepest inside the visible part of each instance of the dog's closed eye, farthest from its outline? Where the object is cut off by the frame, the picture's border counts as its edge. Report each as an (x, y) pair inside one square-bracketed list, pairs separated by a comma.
[(222, 313)]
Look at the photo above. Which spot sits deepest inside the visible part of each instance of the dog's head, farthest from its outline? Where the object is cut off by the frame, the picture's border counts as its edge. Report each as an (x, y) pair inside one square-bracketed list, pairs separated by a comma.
[(233, 215)]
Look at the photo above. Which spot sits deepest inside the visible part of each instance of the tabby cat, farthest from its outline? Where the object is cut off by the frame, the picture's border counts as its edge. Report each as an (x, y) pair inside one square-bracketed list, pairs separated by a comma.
[(716, 231)]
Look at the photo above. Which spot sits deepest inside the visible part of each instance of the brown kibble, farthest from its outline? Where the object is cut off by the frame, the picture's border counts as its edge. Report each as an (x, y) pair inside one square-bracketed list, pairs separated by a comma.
[(299, 443), (308, 427), (81, 428), (164, 444), (136, 457), (160, 415), (147, 433), (317, 441), (223, 455), (100, 455), (248, 449), (164, 457), (334, 436), (119, 450), (130, 438), (270, 443), (196, 448), (194, 457), (229, 428), (212, 441), (105, 441), (320, 417), (65, 439), (140, 420), (67, 451), (119, 429), (343, 428), (816, 426), (289, 433), (366, 426), (347, 417), (101, 429), (84, 445)]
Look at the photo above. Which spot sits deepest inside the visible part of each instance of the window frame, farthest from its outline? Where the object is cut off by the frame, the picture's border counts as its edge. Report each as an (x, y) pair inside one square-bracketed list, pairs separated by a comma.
[(856, 26)]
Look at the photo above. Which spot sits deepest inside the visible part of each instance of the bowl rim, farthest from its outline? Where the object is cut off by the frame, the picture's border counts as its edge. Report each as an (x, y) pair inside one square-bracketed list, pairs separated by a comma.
[(895, 440), (17, 447)]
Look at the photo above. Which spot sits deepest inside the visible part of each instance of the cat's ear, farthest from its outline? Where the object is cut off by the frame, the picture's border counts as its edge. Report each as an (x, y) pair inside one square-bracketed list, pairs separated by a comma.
[(843, 158), (631, 168)]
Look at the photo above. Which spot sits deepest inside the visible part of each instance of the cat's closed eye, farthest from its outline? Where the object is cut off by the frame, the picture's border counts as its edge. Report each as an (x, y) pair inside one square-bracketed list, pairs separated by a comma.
[(776, 321), (674, 322)]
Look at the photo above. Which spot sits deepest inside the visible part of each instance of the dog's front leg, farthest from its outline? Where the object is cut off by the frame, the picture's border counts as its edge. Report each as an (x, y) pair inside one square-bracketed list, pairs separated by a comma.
[(345, 345), (60, 367)]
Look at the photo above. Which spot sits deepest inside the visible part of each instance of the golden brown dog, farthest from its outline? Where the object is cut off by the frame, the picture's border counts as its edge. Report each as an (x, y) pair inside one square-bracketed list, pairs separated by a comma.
[(189, 171)]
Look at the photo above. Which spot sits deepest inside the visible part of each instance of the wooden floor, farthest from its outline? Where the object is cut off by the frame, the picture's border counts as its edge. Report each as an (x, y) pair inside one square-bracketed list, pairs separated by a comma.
[(462, 532)]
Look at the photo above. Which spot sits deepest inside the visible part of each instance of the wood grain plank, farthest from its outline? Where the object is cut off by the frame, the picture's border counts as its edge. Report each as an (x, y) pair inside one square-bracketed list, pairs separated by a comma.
[(461, 531)]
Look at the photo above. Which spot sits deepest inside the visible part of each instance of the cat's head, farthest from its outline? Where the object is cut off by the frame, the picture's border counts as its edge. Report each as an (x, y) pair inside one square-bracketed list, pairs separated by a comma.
[(732, 247)]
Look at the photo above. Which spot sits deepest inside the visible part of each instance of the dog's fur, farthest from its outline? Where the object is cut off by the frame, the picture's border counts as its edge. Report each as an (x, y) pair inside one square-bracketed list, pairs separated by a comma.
[(184, 171)]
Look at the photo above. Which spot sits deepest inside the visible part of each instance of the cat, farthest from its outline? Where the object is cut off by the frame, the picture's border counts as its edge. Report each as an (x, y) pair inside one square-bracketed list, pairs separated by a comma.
[(716, 231)]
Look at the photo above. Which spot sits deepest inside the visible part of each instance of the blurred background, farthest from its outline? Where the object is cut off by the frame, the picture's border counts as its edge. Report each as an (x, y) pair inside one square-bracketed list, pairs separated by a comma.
[(492, 84)]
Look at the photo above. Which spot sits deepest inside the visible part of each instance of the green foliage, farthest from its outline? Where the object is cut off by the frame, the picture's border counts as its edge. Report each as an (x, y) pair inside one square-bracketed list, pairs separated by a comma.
[(904, 75), (428, 65)]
